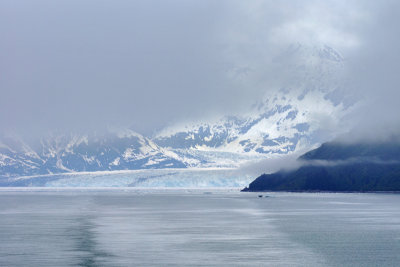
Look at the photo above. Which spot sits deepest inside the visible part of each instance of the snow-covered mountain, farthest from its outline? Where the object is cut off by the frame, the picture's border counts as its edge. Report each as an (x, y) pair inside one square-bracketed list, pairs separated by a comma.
[(277, 125), (298, 114), (76, 153)]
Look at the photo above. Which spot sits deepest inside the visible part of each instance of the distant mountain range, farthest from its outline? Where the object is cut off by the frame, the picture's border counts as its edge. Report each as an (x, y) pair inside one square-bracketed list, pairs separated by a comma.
[(287, 118), (77, 153), (339, 167)]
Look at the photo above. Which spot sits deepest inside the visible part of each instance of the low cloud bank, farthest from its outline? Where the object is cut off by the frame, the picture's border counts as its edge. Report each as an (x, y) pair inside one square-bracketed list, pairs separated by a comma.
[(292, 162)]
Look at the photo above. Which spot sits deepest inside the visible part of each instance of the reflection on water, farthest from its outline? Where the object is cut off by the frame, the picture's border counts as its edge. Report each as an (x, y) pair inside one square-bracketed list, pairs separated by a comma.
[(126, 228)]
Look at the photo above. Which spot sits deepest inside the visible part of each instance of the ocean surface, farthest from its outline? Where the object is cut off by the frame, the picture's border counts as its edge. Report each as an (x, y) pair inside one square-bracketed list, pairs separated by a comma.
[(131, 227)]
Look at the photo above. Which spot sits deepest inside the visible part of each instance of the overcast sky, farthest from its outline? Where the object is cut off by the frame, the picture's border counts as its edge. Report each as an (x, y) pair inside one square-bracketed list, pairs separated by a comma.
[(87, 64)]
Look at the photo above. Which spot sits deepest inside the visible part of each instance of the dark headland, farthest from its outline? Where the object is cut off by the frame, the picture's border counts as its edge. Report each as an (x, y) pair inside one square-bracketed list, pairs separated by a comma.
[(339, 167)]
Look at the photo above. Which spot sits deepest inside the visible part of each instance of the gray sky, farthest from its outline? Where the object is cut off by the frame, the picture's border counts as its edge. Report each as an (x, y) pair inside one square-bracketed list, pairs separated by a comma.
[(87, 64)]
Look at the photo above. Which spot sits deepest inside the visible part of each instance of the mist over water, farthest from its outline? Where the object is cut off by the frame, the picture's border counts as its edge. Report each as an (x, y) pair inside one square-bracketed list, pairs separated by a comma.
[(219, 228)]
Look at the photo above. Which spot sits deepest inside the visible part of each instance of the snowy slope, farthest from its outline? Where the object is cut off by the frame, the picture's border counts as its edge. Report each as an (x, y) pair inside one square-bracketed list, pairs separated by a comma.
[(76, 153)]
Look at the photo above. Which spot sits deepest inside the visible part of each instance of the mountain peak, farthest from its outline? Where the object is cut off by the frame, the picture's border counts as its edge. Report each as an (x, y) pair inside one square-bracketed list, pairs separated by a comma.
[(319, 51)]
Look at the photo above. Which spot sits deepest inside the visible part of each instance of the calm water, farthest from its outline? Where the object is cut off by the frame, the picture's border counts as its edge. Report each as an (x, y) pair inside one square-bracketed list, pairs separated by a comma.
[(161, 228)]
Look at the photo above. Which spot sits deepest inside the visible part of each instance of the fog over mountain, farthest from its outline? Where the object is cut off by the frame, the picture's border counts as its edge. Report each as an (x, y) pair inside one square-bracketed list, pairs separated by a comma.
[(205, 83), (85, 65)]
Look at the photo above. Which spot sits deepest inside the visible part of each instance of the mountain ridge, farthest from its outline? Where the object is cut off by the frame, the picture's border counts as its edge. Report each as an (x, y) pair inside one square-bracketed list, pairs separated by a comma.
[(335, 166)]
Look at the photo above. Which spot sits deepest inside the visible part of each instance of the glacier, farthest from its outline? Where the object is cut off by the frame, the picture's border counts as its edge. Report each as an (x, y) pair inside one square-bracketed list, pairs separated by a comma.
[(150, 178)]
